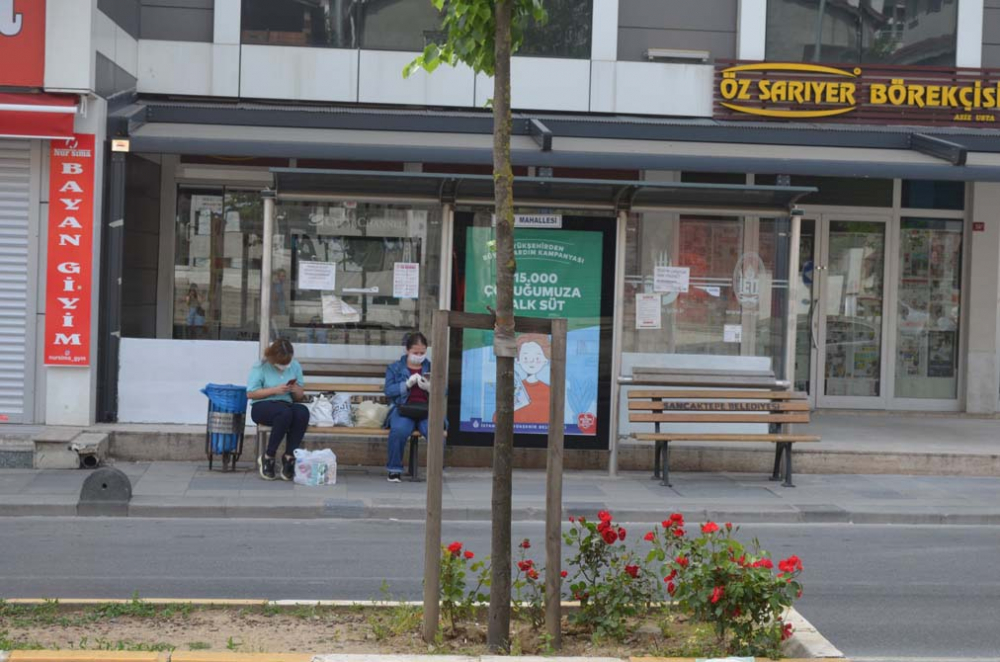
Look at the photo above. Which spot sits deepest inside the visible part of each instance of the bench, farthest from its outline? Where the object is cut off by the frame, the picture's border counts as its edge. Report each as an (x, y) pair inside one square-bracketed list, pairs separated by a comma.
[(705, 399), (369, 390)]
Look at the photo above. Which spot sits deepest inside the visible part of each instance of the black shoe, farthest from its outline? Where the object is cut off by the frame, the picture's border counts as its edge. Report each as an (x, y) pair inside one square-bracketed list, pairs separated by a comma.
[(395, 478), (266, 465), (287, 468)]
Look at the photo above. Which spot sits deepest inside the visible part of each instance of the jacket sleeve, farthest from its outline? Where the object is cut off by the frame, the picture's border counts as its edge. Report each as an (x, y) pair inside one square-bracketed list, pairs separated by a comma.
[(395, 385)]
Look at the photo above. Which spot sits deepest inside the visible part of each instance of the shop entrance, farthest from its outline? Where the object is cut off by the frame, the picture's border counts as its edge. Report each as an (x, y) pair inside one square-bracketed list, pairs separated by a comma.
[(841, 334)]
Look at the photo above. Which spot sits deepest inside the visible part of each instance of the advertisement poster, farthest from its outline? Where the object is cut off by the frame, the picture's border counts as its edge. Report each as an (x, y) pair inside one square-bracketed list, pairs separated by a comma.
[(69, 271), (558, 275)]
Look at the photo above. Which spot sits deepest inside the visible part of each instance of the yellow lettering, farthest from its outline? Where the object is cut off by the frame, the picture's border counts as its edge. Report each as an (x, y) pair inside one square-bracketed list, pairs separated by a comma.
[(744, 90), (779, 91), (764, 90), (848, 89), (795, 91), (915, 96), (966, 94), (934, 96), (989, 98), (878, 94), (897, 93), (728, 88), (949, 96)]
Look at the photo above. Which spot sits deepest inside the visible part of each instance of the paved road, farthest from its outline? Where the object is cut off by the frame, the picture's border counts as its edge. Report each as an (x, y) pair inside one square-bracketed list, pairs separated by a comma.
[(878, 592)]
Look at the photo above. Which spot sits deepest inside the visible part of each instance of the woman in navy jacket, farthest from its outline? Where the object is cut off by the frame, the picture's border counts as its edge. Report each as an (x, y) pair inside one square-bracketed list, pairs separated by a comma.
[(407, 382)]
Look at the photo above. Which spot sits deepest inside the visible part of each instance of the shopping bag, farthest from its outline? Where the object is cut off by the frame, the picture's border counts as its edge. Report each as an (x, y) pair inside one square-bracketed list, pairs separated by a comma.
[(321, 412), (315, 467), (341, 404), (370, 414)]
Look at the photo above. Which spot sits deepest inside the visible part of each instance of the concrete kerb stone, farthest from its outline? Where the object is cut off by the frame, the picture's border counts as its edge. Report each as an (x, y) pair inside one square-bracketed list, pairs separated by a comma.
[(806, 641), (4, 655)]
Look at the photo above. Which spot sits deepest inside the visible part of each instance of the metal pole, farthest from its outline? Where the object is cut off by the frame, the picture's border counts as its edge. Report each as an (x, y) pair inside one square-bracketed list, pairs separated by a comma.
[(554, 485), (435, 477), (792, 320), (616, 342), (265, 271), (111, 305)]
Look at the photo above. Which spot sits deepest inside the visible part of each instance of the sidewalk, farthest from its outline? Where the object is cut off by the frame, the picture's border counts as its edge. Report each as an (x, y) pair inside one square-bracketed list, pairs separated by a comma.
[(188, 489)]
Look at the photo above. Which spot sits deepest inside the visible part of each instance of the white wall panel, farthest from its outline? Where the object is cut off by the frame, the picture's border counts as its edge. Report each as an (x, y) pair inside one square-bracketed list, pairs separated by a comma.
[(652, 88), (104, 35), (301, 74), (605, 30), (543, 84), (183, 67), (69, 48), (752, 30), (970, 34), (227, 21), (381, 81), (126, 51)]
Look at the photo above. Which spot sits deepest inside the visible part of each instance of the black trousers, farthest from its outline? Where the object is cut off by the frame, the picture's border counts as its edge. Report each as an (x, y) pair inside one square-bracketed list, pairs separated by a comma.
[(284, 418)]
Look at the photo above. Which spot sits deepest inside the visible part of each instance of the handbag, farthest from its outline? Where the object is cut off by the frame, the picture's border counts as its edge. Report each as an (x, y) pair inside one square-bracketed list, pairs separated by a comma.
[(417, 411)]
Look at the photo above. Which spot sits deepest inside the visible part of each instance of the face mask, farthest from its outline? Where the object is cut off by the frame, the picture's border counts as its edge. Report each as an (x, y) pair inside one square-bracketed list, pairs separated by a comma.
[(282, 368), (416, 359)]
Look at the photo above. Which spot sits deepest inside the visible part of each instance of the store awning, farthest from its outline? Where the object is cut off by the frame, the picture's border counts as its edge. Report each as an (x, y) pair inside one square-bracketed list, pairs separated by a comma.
[(295, 184), (45, 116)]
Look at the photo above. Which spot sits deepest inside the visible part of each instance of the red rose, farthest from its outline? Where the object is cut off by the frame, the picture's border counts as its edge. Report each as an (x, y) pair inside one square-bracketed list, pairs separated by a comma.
[(786, 631), (763, 563), (610, 537), (650, 537), (682, 561), (563, 574), (671, 588), (670, 577), (632, 570), (469, 555), (679, 532), (729, 526), (791, 564), (677, 519), (455, 548), (621, 533), (532, 574), (572, 520), (604, 515), (666, 524), (709, 527), (717, 594), (799, 594), (603, 526), (525, 544), (743, 560), (525, 566)]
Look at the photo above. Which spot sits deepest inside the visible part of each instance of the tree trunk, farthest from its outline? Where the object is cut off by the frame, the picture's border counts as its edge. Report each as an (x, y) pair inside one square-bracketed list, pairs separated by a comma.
[(498, 638)]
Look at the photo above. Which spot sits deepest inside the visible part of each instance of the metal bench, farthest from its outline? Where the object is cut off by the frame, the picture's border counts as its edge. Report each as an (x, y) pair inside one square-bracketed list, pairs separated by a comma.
[(341, 369), (717, 397)]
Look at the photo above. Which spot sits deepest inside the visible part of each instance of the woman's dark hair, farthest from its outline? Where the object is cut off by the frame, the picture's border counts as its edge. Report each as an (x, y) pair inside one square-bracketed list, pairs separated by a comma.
[(280, 352), (415, 338)]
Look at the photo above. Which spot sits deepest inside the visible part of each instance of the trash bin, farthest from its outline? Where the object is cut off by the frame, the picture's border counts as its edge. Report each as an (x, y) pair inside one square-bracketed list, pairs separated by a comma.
[(227, 407)]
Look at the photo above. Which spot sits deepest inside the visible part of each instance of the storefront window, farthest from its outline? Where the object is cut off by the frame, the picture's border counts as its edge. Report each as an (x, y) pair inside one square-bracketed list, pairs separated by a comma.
[(329, 23), (921, 194), (567, 33), (930, 276), (217, 264), (399, 25), (839, 191), (354, 273), (731, 304), (916, 32)]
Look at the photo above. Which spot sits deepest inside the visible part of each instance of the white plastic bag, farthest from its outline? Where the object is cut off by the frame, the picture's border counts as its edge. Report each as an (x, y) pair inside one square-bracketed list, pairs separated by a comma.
[(370, 414), (321, 412), (315, 467), (341, 404)]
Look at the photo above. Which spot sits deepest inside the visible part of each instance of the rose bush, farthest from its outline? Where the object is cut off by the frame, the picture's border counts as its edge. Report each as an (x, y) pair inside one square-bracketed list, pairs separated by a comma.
[(457, 600)]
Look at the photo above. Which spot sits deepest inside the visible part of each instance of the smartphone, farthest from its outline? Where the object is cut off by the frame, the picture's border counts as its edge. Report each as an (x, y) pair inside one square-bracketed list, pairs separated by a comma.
[(291, 382)]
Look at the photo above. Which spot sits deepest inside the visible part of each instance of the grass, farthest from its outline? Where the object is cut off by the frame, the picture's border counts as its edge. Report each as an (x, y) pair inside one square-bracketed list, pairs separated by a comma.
[(102, 644), (51, 613), (198, 646)]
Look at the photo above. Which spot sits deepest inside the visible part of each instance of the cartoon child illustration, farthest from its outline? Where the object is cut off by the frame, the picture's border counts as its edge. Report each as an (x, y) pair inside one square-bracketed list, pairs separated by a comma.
[(532, 400)]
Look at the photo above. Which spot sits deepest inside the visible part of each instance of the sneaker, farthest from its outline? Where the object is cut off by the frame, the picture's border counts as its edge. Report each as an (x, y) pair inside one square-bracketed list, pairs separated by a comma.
[(266, 465), (287, 468), (395, 478)]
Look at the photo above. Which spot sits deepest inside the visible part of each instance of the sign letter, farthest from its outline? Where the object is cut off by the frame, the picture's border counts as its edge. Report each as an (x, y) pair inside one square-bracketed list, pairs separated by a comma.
[(10, 22)]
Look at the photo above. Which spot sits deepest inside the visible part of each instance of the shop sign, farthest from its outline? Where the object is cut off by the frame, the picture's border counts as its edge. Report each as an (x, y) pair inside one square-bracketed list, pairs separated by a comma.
[(70, 258), (22, 43), (874, 95)]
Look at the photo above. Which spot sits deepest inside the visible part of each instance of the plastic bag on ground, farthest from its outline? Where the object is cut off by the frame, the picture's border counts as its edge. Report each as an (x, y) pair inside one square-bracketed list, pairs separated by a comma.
[(315, 467), (321, 412)]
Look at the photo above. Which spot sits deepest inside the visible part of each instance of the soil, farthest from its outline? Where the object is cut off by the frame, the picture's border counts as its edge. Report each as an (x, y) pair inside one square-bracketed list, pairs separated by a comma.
[(313, 629)]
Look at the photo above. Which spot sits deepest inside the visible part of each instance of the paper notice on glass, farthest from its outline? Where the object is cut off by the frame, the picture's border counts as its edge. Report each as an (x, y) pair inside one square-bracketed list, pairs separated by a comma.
[(711, 290), (648, 311), (732, 333), (361, 290), (671, 279), (335, 311), (855, 260), (317, 276), (232, 221), (406, 280), (834, 294)]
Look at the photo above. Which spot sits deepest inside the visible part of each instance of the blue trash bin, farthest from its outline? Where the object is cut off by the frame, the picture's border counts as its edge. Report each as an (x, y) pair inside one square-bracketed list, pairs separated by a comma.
[(227, 405)]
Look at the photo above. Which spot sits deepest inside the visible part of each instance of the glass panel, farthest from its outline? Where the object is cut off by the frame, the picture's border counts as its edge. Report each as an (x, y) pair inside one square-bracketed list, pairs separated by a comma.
[(805, 338), (296, 23), (841, 191), (812, 31), (567, 33), (921, 194), (399, 25), (853, 306), (930, 277), (354, 274), (915, 32), (217, 264)]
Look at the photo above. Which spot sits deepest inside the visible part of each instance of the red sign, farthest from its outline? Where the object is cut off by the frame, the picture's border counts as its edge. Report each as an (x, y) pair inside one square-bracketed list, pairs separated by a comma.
[(48, 116), (979, 226), (22, 43), (70, 257)]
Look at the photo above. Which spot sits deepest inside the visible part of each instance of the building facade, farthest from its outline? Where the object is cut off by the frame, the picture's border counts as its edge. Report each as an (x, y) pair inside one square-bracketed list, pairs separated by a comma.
[(888, 300)]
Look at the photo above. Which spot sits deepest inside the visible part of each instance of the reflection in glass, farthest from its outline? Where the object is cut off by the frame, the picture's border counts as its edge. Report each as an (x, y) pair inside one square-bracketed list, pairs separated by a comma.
[(805, 306), (567, 33), (930, 268), (917, 32), (813, 31), (853, 306), (329, 23), (398, 25)]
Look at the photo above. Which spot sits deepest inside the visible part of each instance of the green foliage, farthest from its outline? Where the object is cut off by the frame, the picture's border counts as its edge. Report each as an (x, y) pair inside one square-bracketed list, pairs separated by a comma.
[(529, 588), (470, 28), (199, 646), (457, 600)]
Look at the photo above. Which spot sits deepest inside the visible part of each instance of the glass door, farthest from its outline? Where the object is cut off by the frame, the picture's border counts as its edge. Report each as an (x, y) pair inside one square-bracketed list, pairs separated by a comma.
[(849, 312)]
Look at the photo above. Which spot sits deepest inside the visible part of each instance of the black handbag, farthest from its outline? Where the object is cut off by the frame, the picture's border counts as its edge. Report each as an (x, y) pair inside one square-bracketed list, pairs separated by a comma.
[(417, 411)]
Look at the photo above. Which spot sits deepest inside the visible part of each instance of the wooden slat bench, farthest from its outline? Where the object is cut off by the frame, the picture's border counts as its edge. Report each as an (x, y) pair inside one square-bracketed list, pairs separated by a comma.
[(370, 370), (776, 408)]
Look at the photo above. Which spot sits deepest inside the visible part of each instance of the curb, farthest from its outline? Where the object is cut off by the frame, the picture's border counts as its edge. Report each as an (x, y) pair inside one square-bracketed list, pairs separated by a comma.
[(806, 641)]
